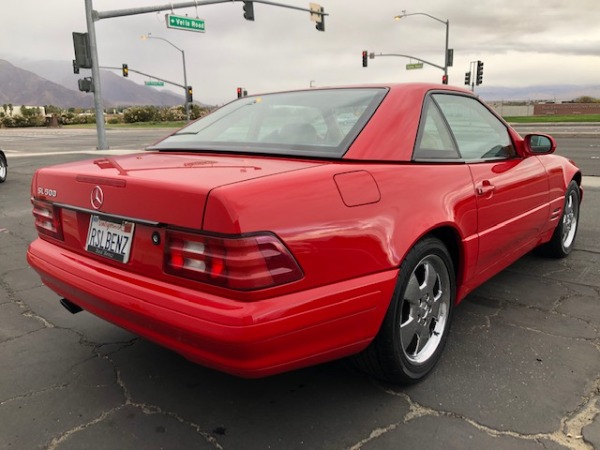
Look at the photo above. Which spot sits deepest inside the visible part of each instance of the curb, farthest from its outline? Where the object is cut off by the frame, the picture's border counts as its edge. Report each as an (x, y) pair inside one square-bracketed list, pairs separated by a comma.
[(590, 182)]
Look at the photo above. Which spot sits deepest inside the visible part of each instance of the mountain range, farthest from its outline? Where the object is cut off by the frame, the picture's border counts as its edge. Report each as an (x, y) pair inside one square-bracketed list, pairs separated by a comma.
[(37, 83), (54, 83)]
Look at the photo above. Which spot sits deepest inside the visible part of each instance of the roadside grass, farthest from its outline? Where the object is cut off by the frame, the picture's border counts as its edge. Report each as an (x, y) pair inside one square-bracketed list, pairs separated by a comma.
[(576, 118), (581, 118)]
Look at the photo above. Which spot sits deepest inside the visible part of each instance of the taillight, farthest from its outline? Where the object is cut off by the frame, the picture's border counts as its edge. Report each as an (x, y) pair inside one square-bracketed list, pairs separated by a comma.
[(47, 219), (241, 263)]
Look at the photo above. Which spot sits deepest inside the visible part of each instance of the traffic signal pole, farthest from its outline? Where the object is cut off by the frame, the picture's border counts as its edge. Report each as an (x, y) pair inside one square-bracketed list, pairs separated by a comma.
[(93, 16), (185, 84), (145, 75), (98, 107), (187, 89), (475, 74), (373, 55), (448, 53)]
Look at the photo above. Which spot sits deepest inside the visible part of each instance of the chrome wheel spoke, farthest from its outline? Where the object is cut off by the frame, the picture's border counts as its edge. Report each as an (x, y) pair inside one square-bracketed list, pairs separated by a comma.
[(408, 331), (423, 338), (431, 277), (436, 307), (413, 291)]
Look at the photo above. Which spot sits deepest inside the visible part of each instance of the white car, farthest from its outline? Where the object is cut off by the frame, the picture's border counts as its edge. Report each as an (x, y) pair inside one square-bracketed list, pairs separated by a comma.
[(3, 167)]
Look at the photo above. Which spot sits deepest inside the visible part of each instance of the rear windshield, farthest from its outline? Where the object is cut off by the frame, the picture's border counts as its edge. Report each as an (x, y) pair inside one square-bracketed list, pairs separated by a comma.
[(313, 123)]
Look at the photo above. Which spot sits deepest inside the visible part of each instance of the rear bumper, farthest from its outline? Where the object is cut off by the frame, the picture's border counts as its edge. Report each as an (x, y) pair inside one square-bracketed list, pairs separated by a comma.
[(249, 339)]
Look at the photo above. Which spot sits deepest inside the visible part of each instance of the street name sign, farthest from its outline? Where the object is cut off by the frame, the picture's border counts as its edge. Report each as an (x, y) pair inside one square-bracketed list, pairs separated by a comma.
[(154, 83), (185, 23), (414, 66), (315, 9)]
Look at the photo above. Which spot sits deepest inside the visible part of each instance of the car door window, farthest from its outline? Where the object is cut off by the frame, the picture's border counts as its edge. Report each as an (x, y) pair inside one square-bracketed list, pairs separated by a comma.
[(478, 133), (434, 140)]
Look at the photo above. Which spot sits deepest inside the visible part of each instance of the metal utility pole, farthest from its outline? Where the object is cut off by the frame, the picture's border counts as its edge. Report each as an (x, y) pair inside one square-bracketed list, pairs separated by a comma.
[(145, 75), (99, 109), (447, 59), (373, 55), (93, 16), (185, 83)]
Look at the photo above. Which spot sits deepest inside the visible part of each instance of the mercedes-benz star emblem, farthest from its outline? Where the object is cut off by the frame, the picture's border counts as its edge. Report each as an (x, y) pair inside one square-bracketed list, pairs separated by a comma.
[(97, 197)]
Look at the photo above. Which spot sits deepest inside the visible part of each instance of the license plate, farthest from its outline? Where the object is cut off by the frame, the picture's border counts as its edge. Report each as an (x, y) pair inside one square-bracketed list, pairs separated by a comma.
[(110, 238)]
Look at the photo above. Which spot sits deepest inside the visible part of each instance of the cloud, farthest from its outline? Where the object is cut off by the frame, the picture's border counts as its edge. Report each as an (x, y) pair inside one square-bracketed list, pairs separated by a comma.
[(545, 39)]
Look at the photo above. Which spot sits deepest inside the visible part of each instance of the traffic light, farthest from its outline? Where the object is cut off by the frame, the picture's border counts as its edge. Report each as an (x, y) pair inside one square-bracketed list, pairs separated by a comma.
[(444, 79), (125, 70), (450, 57), (365, 56), (188, 97), (86, 84), (479, 78), (83, 55), (249, 10), (467, 78), (75, 66), (239, 92), (321, 21)]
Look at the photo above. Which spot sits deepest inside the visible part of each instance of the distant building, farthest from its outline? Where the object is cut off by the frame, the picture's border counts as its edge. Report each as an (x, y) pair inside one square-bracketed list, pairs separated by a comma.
[(566, 109), (512, 110)]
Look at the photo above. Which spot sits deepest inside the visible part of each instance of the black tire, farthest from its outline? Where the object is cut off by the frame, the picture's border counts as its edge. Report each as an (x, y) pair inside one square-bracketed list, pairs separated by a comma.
[(3, 168), (563, 238), (416, 326)]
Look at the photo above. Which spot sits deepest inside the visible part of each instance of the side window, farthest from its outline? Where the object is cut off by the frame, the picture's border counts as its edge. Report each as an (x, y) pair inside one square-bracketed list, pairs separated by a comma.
[(478, 133), (434, 140)]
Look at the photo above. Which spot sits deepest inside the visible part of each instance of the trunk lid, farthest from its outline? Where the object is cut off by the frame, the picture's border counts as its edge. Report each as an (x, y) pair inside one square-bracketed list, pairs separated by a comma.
[(167, 188)]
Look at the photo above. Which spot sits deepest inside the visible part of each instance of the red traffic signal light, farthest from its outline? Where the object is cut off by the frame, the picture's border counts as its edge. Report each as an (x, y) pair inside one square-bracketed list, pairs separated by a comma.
[(444, 79), (239, 92), (365, 56)]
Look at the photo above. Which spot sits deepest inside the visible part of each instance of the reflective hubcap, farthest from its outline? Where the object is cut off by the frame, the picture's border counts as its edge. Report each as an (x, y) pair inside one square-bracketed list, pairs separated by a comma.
[(425, 309)]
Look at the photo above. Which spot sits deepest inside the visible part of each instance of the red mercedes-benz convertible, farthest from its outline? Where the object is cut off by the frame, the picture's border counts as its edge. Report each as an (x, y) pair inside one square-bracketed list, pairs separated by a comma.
[(288, 229)]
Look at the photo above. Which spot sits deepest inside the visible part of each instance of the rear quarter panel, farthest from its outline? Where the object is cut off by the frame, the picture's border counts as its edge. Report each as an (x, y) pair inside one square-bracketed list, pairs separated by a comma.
[(560, 172), (333, 241)]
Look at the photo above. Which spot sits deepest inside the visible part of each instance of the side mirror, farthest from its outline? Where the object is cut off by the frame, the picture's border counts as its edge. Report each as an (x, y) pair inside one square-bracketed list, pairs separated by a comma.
[(540, 144)]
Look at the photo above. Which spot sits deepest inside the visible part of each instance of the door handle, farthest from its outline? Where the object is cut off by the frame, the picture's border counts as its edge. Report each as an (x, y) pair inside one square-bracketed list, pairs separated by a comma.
[(485, 188)]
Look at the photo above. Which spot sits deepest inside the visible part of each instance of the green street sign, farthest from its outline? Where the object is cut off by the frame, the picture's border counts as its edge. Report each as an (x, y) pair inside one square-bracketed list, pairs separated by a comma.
[(414, 66), (185, 23), (154, 83)]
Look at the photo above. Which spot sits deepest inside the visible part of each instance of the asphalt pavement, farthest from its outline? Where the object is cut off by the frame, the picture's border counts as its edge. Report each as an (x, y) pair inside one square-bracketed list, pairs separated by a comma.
[(521, 369)]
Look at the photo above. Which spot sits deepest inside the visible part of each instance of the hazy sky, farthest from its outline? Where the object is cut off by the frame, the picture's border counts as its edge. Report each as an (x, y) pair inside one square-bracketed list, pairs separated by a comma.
[(521, 42)]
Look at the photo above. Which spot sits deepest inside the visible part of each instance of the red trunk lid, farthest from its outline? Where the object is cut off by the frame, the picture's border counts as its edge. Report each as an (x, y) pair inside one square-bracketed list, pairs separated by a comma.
[(168, 188)]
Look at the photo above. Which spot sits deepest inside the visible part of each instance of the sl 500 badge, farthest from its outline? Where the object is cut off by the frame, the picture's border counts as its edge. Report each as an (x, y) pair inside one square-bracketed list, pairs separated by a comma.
[(46, 192)]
